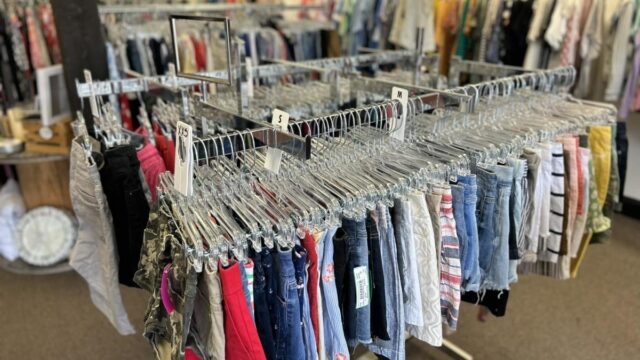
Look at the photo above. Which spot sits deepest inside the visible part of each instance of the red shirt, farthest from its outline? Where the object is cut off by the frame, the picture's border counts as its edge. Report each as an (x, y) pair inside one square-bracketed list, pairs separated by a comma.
[(309, 244)]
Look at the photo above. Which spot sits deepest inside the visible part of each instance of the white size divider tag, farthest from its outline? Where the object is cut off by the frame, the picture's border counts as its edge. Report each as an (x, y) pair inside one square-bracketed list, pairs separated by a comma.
[(280, 119), (92, 99), (183, 174), (249, 77), (361, 275), (400, 123)]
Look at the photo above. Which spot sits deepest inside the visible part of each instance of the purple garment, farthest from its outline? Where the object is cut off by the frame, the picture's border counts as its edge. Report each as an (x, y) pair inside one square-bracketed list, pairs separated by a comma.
[(630, 90)]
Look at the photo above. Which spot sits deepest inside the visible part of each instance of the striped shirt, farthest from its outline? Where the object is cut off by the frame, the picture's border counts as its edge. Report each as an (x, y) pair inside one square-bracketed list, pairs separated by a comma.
[(556, 218), (450, 270)]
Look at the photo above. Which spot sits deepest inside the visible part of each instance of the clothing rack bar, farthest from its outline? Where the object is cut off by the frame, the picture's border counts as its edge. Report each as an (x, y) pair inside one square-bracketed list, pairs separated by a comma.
[(146, 83), (430, 97), (191, 8), (239, 141), (346, 63), (459, 65)]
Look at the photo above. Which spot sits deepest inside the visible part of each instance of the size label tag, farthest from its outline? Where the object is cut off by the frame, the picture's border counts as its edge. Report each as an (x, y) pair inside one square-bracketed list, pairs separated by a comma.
[(280, 119), (92, 99), (183, 175), (361, 275), (399, 123)]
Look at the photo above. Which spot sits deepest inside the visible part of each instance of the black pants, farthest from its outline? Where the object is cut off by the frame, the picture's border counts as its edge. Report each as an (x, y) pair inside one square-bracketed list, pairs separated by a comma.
[(129, 208), (622, 143)]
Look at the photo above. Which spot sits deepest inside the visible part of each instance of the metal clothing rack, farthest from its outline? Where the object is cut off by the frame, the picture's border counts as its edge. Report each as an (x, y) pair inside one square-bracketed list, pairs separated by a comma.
[(269, 136)]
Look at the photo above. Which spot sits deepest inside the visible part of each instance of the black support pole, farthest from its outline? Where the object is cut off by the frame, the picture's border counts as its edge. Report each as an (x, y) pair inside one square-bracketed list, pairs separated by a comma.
[(82, 45)]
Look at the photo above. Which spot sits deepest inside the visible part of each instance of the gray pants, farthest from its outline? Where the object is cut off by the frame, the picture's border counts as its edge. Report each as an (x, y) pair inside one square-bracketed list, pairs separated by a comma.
[(94, 255)]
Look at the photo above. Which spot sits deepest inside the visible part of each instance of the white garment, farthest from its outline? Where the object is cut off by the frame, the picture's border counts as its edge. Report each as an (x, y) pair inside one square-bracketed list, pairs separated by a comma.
[(545, 206), (541, 12), (622, 30), (429, 276), (533, 233), (410, 15), (11, 210), (590, 46), (558, 25)]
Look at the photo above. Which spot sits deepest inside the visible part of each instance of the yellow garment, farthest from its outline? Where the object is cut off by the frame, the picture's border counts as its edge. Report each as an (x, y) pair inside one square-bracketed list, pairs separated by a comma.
[(577, 261), (600, 143), (187, 55)]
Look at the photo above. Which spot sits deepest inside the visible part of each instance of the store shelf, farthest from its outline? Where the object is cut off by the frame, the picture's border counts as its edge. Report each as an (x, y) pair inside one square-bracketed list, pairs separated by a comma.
[(22, 268), (30, 158)]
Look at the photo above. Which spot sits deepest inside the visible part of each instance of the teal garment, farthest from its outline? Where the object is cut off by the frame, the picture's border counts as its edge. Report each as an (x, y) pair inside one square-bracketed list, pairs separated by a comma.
[(463, 40)]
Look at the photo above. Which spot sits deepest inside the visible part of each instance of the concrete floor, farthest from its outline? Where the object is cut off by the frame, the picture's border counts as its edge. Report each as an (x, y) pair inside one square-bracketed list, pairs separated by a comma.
[(596, 316)]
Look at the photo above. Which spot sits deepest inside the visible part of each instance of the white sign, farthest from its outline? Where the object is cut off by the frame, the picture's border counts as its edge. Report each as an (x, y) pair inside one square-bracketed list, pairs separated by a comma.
[(279, 119), (361, 275), (183, 175), (399, 124)]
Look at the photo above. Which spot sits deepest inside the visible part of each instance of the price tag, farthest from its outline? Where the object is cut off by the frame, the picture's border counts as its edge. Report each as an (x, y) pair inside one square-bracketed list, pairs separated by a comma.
[(399, 124), (279, 119), (183, 175), (361, 275)]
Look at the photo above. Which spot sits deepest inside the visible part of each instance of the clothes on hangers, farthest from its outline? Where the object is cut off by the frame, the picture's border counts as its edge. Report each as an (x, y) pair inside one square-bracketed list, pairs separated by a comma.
[(128, 205), (95, 254)]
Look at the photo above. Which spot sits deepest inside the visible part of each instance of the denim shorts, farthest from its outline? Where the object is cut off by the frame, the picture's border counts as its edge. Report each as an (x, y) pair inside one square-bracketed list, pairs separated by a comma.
[(335, 343), (471, 267), (395, 347), (289, 337), (497, 276), (357, 321)]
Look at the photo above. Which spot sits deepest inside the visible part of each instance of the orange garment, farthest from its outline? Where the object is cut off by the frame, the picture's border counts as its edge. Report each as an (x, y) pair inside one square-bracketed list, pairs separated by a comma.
[(447, 20)]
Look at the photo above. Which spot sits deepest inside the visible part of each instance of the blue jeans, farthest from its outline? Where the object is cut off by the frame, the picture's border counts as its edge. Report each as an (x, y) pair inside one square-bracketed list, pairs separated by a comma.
[(262, 265), (245, 287), (395, 347), (516, 205), (470, 266), (403, 230), (300, 265), (498, 273), (485, 213), (357, 322), (334, 341), (289, 343)]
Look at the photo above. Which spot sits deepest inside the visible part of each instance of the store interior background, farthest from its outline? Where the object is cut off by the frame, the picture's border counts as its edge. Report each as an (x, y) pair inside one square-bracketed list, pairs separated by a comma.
[(595, 316)]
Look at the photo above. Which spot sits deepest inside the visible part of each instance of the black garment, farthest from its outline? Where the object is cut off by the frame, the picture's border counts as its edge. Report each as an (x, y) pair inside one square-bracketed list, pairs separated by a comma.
[(128, 204), (133, 55), (263, 296), (378, 300), (10, 93), (515, 28), (494, 300), (622, 144), (340, 262), (156, 50)]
